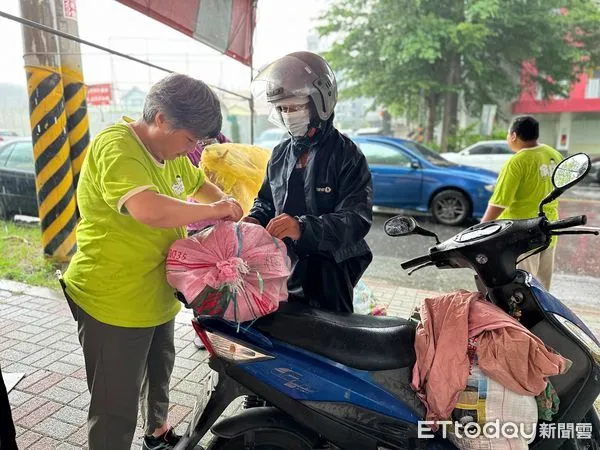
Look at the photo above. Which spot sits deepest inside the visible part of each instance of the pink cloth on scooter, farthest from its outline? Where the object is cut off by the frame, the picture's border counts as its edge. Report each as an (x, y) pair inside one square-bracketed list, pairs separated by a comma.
[(507, 352), (234, 270)]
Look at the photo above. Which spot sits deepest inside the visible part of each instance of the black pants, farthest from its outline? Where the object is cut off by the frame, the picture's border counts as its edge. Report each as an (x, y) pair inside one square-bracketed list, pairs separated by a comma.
[(322, 283), (125, 368), (7, 427)]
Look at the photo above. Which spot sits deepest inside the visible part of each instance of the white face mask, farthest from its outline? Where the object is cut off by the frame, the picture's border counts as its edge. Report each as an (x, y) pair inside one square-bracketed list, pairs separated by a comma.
[(296, 122)]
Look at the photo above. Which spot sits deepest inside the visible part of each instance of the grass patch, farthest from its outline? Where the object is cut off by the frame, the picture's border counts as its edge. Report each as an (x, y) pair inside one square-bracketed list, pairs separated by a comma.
[(22, 258)]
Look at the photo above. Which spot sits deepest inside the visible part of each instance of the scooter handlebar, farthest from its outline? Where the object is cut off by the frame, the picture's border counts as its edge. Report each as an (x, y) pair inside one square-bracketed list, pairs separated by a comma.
[(567, 223), (416, 262)]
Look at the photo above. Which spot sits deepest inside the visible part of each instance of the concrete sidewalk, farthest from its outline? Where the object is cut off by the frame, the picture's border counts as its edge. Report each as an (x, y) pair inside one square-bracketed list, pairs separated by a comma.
[(38, 337)]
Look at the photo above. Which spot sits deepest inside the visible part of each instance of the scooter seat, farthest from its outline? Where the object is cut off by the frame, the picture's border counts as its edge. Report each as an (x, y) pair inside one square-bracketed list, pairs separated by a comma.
[(355, 340)]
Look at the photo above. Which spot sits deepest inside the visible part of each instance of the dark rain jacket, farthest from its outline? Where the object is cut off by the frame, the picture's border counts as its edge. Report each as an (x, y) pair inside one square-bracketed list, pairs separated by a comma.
[(339, 199)]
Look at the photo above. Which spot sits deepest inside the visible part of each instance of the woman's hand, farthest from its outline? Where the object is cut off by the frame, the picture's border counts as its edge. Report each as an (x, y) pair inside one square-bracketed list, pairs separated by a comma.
[(228, 209), (249, 219)]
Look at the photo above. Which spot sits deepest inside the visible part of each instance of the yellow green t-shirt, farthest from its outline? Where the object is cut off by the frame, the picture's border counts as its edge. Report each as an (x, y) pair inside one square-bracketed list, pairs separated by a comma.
[(524, 181), (118, 273)]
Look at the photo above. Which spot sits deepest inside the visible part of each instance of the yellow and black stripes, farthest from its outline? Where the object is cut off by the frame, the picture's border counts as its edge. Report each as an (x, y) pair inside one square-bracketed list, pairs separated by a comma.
[(54, 174), (77, 119)]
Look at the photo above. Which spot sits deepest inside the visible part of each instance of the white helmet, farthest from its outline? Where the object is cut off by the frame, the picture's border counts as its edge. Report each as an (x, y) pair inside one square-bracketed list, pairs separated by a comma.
[(299, 74)]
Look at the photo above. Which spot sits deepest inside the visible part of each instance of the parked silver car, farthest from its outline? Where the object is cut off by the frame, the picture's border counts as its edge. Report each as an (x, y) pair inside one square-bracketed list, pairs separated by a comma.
[(271, 137), (490, 155)]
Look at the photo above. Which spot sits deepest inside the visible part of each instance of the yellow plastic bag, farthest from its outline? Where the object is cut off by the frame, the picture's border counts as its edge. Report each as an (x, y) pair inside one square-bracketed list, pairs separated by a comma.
[(238, 169)]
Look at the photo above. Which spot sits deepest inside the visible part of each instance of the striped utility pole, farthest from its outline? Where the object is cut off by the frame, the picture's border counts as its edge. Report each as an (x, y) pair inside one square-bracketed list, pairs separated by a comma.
[(78, 127), (54, 175)]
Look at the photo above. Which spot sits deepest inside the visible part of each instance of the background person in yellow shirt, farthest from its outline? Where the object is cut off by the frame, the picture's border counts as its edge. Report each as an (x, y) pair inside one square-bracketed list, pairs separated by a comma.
[(524, 181), (132, 197)]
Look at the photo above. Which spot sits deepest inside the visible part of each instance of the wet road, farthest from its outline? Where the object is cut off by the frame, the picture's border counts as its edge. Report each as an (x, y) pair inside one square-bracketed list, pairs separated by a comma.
[(577, 266)]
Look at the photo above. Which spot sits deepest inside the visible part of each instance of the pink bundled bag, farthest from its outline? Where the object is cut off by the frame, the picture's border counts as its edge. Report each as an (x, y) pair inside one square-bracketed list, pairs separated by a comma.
[(234, 270)]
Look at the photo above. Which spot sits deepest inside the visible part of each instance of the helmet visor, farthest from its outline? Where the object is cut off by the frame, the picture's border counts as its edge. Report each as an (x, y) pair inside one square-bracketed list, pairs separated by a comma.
[(284, 78)]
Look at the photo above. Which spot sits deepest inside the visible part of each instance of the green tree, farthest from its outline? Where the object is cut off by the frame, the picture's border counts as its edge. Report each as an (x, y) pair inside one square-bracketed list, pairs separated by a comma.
[(402, 52)]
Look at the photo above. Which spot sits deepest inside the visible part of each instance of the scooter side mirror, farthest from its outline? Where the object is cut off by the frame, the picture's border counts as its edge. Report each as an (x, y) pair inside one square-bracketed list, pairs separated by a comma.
[(404, 226), (571, 171), (400, 226), (567, 174)]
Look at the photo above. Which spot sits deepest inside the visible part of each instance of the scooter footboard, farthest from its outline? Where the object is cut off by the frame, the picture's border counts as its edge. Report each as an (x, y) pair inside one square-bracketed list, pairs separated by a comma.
[(265, 418)]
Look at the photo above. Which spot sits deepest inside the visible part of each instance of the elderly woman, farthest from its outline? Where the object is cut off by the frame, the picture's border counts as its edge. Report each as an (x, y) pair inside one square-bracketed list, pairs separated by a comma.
[(132, 197)]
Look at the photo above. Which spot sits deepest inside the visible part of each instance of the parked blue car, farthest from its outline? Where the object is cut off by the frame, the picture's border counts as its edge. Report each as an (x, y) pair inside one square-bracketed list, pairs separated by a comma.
[(408, 175)]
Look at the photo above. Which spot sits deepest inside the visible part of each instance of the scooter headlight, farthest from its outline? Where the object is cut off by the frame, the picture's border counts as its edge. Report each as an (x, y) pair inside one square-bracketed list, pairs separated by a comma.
[(581, 336)]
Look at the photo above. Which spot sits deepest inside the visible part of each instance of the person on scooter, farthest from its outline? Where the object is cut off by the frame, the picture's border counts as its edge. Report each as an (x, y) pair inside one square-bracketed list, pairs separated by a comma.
[(132, 197), (524, 181), (317, 193)]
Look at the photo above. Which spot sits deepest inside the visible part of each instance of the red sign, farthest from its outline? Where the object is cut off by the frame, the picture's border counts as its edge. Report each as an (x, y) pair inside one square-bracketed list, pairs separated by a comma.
[(563, 140), (70, 9), (99, 94)]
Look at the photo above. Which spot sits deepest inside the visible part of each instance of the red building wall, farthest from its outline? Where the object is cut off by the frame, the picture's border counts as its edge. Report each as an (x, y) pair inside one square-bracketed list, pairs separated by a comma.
[(527, 103)]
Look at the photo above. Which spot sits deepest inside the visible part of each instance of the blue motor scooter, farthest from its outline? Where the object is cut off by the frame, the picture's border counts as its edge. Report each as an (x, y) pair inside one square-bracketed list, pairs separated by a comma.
[(319, 380)]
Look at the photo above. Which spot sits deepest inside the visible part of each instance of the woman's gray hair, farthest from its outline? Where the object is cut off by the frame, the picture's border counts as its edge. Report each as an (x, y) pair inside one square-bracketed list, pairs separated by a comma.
[(187, 103)]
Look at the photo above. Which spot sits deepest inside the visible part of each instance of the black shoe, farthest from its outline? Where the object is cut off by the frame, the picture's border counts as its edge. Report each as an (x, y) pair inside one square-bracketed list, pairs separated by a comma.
[(198, 343), (165, 441)]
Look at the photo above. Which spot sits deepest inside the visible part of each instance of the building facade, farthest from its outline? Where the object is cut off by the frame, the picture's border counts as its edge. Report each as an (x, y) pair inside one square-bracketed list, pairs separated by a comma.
[(569, 123)]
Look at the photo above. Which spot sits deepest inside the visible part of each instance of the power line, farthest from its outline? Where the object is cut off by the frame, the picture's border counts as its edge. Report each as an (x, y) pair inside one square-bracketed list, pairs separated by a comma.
[(39, 26)]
